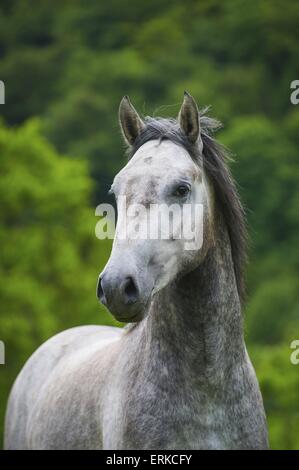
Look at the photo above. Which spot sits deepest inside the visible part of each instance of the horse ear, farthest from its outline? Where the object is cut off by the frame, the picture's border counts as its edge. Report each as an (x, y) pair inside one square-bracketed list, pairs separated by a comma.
[(130, 122), (189, 118)]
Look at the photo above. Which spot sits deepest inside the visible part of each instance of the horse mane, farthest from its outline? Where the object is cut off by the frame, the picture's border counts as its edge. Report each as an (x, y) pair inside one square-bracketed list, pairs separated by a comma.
[(214, 159)]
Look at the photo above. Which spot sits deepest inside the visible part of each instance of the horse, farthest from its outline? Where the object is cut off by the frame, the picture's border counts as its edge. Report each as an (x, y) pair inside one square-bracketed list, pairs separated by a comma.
[(178, 375)]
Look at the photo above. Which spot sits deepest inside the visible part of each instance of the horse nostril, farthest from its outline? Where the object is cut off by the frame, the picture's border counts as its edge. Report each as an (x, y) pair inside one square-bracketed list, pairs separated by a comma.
[(111, 291), (100, 291), (130, 291)]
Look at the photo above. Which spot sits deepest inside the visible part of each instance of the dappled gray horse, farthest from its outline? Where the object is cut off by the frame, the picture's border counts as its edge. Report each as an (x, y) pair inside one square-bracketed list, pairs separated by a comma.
[(179, 376)]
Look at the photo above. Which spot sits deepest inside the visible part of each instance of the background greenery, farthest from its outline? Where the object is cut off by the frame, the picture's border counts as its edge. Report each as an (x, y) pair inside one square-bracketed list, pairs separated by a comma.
[(66, 66)]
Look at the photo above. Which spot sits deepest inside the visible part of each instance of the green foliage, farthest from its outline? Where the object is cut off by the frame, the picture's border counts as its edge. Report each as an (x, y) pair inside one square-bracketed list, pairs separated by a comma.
[(272, 312), (279, 381), (69, 64), (267, 165)]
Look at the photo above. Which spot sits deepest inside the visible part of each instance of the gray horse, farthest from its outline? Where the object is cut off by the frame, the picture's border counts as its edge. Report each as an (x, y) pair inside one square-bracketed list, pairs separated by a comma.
[(178, 376)]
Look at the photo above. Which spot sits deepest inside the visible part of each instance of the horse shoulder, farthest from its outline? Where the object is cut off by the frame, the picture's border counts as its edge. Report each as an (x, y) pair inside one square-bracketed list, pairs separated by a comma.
[(51, 380)]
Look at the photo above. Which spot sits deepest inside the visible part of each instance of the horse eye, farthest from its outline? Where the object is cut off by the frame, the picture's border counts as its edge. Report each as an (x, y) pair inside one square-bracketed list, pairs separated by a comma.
[(182, 190)]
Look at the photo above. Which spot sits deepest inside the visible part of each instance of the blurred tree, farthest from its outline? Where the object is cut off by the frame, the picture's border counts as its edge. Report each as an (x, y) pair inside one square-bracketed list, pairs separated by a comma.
[(267, 172)]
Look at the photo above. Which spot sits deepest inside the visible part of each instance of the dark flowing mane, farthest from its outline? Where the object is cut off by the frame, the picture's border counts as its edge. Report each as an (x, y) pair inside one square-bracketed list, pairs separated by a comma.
[(215, 158)]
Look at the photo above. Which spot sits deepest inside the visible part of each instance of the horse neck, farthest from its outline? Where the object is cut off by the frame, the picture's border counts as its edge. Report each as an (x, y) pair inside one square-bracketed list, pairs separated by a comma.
[(197, 320)]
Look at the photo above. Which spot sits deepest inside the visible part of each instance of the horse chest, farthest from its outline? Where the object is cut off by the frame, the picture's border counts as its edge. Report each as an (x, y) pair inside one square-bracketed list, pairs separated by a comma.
[(160, 418)]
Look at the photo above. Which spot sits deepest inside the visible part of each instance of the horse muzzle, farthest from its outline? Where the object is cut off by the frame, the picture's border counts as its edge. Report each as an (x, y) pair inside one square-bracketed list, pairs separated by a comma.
[(121, 294)]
